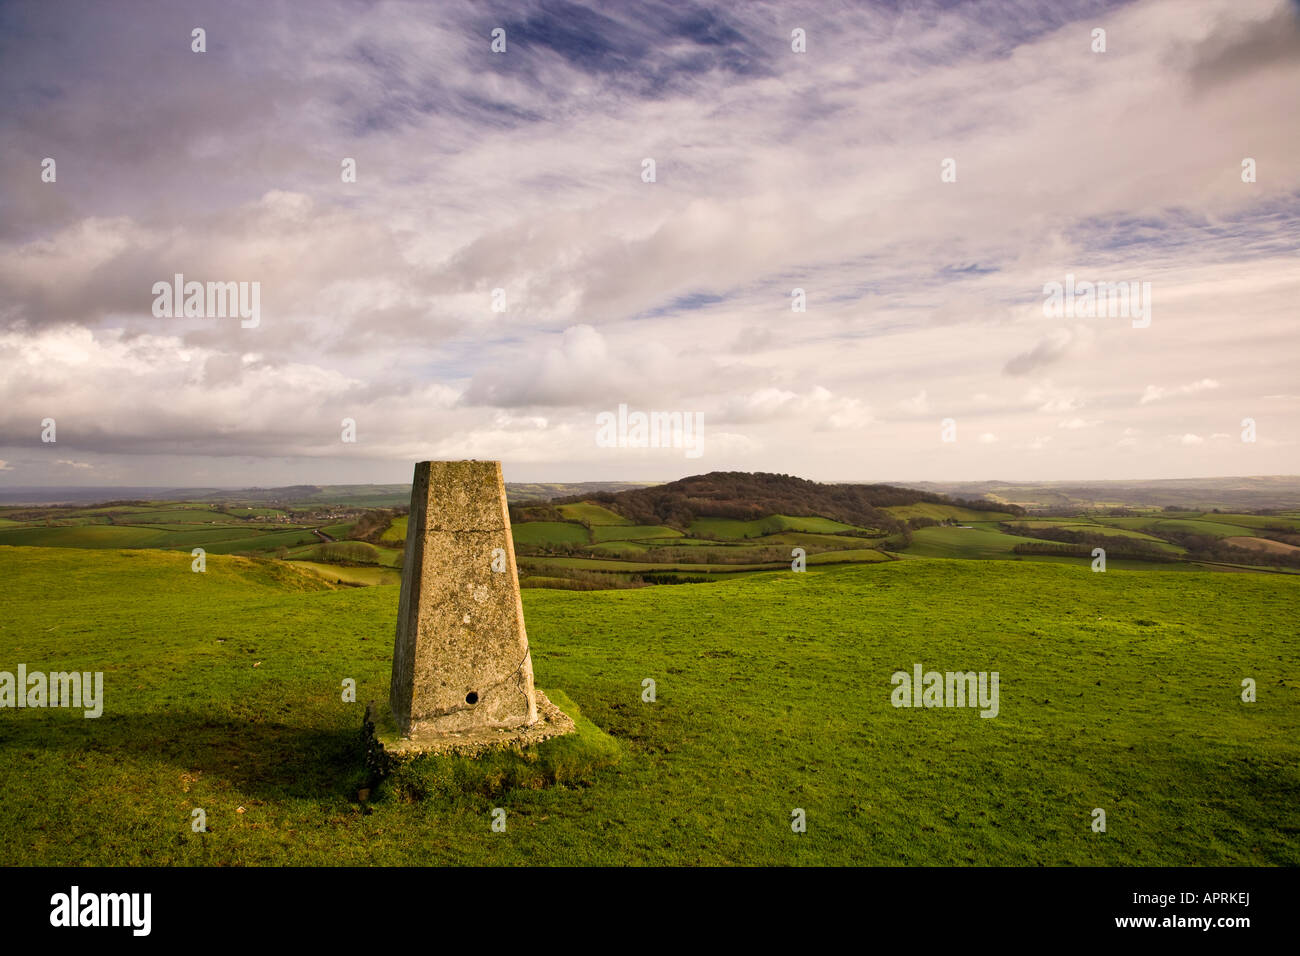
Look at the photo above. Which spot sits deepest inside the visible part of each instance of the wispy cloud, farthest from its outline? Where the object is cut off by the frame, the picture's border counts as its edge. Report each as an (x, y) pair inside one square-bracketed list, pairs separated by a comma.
[(1155, 393), (522, 172)]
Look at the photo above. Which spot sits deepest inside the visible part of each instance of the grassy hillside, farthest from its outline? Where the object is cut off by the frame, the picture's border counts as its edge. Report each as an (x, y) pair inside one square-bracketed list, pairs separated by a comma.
[(946, 542), (550, 532), (632, 532), (396, 531), (746, 496), (592, 513), (584, 541), (1118, 690), (940, 512), (351, 574), (1195, 524), (773, 524)]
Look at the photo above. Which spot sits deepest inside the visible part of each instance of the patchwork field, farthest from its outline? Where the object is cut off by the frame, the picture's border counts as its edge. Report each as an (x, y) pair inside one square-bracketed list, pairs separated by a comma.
[(940, 512), (1119, 691), (550, 533), (592, 513), (773, 524), (1212, 525), (587, 544), (950, 542)]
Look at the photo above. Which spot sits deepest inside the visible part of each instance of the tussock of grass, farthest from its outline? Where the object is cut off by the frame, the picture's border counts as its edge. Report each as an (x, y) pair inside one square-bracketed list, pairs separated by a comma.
[(569, 761)]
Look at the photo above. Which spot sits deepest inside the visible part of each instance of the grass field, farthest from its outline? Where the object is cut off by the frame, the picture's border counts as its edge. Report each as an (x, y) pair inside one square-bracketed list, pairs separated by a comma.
[(549, 532), (940, 512), (222, 692), (1210, 525), (622, 548), (633, 566), (631, 532), (772, 524), (220, 540), (592, 513), (1260, 522), (83, 536), (948, 542), (594, 538), (350, 574), (1261, 544), (1091, 527)]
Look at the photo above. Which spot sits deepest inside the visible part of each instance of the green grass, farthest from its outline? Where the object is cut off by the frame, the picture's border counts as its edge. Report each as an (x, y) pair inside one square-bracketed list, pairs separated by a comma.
[(350, 574), (266, 541), (734, 528), (592, 513), (1090, 527), (170, 515), (799, 539), (222, 689), (571, 760), (395, 531), (1259, 522), (633, 566), (858, 556), (947, 542), (926, 509), (227, 540), (1191, 525), (540, 533), (623, 548), (632, 532), (82, 536)]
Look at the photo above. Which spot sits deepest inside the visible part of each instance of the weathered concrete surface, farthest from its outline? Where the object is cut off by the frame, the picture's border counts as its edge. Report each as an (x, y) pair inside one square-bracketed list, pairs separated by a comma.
[(460, 663), (397, 748)]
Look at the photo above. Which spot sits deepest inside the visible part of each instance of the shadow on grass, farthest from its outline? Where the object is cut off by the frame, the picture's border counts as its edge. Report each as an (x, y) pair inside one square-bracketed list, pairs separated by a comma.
[(266, 759)]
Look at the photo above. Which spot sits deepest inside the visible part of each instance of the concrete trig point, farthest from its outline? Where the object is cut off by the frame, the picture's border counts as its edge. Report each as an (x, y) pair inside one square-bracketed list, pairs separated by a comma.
[(462, 672)]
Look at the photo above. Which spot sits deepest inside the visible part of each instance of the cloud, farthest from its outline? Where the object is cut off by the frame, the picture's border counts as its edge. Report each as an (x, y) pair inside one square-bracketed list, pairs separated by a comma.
[(817, 408), (1155, 393), (1236, 50), (918, 404), (1052, 400), (1051, 349), (523, 172)]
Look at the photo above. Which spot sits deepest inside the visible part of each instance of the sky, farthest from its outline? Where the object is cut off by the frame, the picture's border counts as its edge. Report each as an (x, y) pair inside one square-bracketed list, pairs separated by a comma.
[(504, 270)]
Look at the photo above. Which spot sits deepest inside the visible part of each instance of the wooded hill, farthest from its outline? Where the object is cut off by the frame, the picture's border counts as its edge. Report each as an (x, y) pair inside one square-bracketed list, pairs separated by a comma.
[(748, 495)]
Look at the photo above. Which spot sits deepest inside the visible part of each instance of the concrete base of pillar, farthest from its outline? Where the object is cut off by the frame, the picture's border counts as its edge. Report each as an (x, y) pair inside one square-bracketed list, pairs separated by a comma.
[(551, 722)]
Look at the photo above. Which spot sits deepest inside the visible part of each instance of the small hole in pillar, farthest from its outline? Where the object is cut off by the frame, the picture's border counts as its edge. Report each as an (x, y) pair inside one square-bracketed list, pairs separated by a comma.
[(471, 697)]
